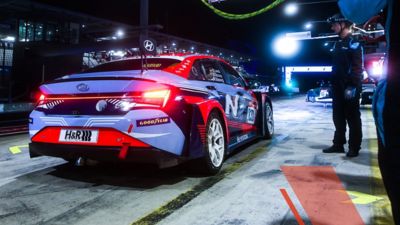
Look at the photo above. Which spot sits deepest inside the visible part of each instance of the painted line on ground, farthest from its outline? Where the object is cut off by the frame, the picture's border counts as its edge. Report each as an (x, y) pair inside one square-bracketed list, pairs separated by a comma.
[(317, 187), (17, 149), (184, 198), (292, 207), (360, 198)]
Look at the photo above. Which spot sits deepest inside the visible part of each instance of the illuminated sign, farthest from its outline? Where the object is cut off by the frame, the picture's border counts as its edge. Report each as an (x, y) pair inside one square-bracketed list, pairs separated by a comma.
[(303, 69)]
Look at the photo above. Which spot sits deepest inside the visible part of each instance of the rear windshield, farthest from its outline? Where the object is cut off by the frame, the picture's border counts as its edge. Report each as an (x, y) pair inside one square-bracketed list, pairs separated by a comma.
[(134, 64)]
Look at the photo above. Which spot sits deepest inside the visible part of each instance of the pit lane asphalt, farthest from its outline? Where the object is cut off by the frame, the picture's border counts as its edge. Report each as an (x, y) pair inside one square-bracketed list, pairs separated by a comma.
[(48, 191)]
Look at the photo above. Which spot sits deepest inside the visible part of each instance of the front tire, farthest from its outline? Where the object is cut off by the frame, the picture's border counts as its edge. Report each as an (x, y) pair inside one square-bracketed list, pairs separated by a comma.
[(215, 146), (268, 120)]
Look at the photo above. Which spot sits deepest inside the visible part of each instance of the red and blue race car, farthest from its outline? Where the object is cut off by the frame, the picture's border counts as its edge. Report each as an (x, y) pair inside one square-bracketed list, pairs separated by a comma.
[(163, 110)]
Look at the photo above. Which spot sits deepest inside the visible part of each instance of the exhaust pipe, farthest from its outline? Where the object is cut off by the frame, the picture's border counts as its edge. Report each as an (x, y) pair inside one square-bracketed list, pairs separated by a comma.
[(80, 161)]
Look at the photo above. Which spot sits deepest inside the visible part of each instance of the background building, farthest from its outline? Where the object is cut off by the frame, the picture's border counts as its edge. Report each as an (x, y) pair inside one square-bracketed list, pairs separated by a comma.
[(39, 42)]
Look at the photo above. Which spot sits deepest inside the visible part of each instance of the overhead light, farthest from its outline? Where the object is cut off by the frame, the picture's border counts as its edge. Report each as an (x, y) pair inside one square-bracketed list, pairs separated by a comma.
[(9, 38), (285, 47), (119, 53), (120, 33), (291, 9), (308, 25)]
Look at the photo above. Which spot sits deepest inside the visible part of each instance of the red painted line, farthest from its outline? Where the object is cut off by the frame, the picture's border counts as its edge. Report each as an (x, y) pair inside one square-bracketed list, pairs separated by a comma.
[(130, 128), (322, 195), (124, 151), (292, 207)]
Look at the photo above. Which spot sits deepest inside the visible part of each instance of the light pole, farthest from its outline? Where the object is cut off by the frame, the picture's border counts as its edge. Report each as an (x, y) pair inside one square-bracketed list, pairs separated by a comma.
[(144, 17)]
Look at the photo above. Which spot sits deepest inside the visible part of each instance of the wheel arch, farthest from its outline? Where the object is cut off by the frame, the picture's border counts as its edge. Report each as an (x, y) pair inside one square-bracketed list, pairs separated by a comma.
[(201, 112)]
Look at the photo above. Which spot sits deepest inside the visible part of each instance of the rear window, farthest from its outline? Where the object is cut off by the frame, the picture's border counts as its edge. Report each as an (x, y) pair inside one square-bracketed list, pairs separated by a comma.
[(134, 64)]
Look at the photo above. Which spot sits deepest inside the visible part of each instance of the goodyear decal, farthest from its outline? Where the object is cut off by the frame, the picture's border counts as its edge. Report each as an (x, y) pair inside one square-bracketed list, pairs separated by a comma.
[(154, 121)]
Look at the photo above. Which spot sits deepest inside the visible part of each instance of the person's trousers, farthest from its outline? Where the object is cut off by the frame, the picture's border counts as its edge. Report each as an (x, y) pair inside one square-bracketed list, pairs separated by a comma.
[(390, 170), (389, 152), (347, 112)]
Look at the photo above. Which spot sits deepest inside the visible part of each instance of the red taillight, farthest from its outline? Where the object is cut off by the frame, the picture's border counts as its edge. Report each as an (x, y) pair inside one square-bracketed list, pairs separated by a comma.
[(155, 98), (159, 97), (42, 97)]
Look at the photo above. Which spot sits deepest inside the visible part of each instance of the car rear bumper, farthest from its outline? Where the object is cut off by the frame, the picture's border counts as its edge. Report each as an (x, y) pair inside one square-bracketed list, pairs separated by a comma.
[(106, 154)]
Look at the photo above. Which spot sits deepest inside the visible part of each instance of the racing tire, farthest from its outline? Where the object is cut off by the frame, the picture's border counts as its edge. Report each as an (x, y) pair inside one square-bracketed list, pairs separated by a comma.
[(268, 120), (215, 145)]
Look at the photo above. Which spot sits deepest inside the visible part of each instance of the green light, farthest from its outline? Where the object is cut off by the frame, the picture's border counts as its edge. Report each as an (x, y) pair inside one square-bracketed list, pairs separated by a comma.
[(232, 16)]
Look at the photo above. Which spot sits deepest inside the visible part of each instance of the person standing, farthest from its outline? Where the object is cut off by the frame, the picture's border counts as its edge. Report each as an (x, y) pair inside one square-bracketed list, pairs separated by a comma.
[(347, 55), (386, 102)]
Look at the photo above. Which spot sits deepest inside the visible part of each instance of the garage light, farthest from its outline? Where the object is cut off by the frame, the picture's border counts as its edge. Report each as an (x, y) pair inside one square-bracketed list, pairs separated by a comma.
[(291, 9), (9, 38), (285, 47), (120, 33)]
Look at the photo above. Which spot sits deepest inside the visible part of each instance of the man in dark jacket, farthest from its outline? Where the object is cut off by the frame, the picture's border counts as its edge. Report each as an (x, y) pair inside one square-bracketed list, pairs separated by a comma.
[(346, 87), (386, 103)]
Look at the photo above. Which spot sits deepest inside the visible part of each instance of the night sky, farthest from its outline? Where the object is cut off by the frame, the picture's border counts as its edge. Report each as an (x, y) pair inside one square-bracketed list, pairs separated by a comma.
[(191, 19)]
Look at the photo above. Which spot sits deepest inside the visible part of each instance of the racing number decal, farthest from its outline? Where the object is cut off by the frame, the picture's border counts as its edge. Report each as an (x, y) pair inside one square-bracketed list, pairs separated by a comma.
[(232, 108), (232, 105)]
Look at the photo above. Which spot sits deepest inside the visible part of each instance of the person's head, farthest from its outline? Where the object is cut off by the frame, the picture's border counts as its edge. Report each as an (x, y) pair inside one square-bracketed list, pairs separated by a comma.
[(340, 25)]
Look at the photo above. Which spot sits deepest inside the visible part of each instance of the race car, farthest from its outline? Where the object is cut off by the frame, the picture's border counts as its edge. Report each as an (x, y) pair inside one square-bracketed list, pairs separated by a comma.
[(162, 109), (322, 94)]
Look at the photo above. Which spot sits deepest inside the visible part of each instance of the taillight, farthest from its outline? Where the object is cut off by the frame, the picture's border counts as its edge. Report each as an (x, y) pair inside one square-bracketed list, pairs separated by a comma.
[(42, 97), (159, 98), (46, 103), (126, 102)]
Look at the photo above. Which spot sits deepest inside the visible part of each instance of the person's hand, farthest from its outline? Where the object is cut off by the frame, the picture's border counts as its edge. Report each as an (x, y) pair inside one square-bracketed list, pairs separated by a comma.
[(350, 93)]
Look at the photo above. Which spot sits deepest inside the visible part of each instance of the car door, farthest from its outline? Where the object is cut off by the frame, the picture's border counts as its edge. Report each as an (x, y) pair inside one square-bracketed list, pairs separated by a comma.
[(240, 106)]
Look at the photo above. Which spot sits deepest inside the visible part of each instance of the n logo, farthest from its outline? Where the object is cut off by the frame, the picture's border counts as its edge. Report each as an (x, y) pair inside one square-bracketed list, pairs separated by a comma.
[(231, 105)]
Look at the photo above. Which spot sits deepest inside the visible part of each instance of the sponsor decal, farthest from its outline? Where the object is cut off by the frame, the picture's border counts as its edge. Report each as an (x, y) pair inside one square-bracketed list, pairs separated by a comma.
[(78, 136), (153, 65), (152, 122), (242, 138), (251, 115)]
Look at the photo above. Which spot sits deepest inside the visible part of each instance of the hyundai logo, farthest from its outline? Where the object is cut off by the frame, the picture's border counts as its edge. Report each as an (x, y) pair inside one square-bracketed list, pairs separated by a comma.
[(82, 87)]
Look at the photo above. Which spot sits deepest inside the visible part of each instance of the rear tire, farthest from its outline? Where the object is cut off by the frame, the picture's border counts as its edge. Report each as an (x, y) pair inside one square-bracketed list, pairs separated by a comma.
[(215, 145), (268, 120)]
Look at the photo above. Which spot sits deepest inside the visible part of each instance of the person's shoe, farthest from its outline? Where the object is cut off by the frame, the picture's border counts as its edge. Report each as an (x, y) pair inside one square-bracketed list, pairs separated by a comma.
[(334, 149), (352, 153)]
